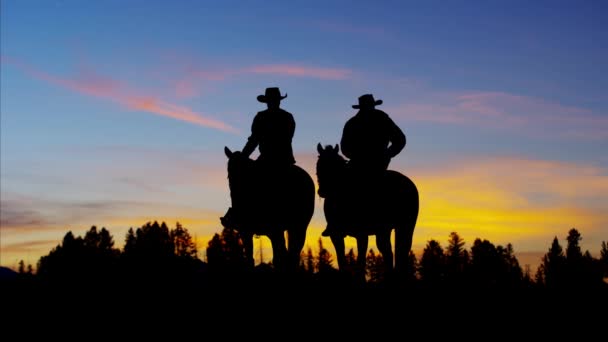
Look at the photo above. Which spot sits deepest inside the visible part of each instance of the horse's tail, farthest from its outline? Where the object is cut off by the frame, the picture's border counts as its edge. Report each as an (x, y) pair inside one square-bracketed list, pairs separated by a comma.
[(405, 224)]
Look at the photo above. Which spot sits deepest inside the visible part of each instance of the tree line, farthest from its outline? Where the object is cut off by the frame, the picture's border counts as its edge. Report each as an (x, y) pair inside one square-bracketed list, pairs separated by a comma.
[(155, 253)]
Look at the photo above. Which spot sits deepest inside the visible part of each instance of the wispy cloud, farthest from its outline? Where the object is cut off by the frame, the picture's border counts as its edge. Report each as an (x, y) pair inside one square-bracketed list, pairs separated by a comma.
[(506, 111), (22, 213), (26, 221), (280, 69), (191, 79), (23, 248), (90, 83), (15, 214), (301, 71)]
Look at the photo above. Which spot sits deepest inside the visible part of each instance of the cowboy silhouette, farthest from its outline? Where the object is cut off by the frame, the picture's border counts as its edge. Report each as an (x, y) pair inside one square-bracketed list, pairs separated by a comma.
[(370, 140), (272, 132)]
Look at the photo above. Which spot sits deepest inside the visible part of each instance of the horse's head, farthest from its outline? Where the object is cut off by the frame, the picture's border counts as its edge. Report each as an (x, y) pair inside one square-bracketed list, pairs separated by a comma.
[(330, 169), (239, 166)]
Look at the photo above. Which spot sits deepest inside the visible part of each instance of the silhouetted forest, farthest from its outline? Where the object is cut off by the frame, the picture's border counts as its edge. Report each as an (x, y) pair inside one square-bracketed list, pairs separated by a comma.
[(157, 254), (160, 277)]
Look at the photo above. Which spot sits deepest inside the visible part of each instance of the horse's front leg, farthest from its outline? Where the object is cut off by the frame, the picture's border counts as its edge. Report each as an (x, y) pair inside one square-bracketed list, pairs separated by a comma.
[(296, 237), (248, 246), (338, 241)]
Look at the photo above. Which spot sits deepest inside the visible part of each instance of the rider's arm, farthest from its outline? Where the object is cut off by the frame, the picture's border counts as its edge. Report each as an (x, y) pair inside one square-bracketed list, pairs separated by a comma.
[(397, 139), (292, 126), (252, 141), (346, 142)]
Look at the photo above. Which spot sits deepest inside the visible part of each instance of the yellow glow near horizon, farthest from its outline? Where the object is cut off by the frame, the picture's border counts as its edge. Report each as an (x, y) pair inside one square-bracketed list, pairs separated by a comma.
[(524, 202)]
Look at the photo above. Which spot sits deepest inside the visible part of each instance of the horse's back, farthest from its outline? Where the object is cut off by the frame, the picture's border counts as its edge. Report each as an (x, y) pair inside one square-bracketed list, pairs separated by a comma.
[(400, 187), (402, 198), (366, 210), (283, 197), (301, 189)]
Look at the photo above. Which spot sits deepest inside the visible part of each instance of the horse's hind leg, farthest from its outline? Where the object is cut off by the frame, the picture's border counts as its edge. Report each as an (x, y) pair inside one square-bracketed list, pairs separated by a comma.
[(383, 242), (296, 237), (403, 245), (362, 244), (279, 250)]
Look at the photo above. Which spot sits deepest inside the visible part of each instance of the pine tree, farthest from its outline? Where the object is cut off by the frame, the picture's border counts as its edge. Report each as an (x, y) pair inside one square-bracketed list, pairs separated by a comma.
[(575, 268), (374, 266), (456, 258), (130, 242), (324, 259), (310, 261), (183, 244), (21, 267), (432, 263), (411, 268), (553, 265)]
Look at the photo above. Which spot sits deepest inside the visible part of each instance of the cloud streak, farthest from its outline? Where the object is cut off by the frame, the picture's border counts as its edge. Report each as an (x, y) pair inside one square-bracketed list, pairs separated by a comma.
[(280, 69), (90, 83), (30, 226), (190, 79), (506, 111), (301, 71)]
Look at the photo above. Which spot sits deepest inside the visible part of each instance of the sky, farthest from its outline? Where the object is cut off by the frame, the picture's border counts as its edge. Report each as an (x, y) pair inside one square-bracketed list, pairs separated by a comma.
[(116, 113)]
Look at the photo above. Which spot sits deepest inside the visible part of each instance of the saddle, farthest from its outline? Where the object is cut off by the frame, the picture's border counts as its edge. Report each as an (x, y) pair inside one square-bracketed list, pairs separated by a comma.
[(257, 198), (361, 205)]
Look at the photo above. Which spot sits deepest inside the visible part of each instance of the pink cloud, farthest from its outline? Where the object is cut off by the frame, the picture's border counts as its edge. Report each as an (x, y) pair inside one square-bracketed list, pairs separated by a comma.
[(90, 83), (156, 106), (185, 88), (506, 111), (193, 79), (301, 71)]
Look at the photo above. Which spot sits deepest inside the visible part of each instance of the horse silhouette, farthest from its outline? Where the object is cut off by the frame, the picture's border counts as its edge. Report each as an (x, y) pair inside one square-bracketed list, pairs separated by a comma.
[(270, 202), (353, 208)]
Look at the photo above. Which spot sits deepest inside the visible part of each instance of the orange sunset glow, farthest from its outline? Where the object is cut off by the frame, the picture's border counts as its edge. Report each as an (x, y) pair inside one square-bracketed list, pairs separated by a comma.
[(183, 145)]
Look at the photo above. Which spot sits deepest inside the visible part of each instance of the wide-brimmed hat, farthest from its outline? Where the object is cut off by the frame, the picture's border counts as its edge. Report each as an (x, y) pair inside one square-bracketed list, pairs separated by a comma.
[(271, 94), (367, 101)]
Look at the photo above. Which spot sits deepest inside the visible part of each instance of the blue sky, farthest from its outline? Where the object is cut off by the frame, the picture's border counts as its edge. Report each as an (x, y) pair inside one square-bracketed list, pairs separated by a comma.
[(117, 112)]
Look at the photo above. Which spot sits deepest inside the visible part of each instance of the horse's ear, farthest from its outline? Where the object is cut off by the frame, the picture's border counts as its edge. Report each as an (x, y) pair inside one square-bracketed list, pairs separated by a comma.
[(319, 148), (337, 148), (227, 152)]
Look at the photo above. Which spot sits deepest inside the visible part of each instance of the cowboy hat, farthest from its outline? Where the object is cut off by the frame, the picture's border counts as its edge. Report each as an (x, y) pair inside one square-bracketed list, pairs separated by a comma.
[(271, 94), (367, 101)]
